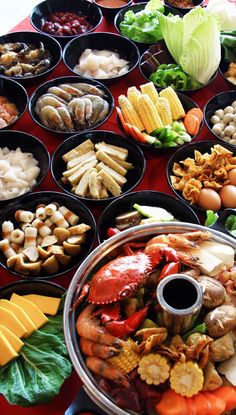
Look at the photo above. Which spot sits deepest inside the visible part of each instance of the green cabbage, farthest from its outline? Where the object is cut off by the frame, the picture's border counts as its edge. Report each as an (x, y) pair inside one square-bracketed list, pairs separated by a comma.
[(194, 42)]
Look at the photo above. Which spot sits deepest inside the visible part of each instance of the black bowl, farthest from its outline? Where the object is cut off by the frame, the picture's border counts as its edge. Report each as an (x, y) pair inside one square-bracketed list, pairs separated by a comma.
[(187, 103), (27, 143), (31, 287), (42, 89), (50, 44), (179, 209), (16, 94), (29, 202), (164, 57), (136, 157), (137, 8), (185, 10), (219, 101), (100, 41), (188, 151), (110, 12), (43, 10), (222, 69)]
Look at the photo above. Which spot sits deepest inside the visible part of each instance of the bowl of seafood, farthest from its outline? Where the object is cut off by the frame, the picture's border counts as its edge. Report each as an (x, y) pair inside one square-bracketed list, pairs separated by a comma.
[(71, 104), (65, 20), (139, 208), (157, 65), (45, 234), (101, 56), (203, 174), (140, 24), (184, 6), (170, 319), (158, 122), (220, 116), (13, 102), (24, 163), (27, 57), (97, 166)]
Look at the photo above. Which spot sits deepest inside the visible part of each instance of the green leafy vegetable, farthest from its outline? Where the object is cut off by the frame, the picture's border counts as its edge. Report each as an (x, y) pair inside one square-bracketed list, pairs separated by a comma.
[(194, 43), (143, 26), (230, 224), (37, 374), (211, 217)]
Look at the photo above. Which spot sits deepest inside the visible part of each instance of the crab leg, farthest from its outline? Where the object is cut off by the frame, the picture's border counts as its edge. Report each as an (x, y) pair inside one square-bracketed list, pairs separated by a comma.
[(125, 327)]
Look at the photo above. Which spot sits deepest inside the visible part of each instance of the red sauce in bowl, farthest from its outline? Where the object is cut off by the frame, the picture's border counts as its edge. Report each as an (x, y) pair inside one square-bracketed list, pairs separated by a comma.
[(185, 4), (111, 3)]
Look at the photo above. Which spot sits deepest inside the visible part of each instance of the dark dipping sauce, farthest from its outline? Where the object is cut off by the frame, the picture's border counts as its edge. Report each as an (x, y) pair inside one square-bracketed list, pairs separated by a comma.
[(184, 4), (111, 3), (180, 294)]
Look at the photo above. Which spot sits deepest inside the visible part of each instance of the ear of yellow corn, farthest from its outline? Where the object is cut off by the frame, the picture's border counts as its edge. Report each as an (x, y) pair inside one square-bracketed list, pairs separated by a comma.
[(148, 113), (133, 94), (176, 106), (164, 110), (150, 90), (186, 378), (154, 369), (128, 359), (130, 115)]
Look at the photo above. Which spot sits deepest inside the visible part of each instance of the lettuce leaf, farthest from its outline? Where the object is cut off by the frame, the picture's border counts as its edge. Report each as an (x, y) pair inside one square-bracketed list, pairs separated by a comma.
[(195, 45), (36, 376)]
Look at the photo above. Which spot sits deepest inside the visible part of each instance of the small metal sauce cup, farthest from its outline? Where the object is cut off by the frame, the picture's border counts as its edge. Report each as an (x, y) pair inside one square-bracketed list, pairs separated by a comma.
[(180, 298)]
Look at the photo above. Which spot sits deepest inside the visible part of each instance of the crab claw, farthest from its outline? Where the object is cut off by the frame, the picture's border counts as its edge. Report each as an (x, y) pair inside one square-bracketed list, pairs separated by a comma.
[(110, 312), (169, 269), (125, 327), (84, 292)]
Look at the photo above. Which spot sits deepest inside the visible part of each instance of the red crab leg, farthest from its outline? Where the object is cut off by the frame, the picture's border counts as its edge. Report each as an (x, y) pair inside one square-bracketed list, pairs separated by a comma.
[(129, 251), (169, 269), (126, 327), (84, 292)]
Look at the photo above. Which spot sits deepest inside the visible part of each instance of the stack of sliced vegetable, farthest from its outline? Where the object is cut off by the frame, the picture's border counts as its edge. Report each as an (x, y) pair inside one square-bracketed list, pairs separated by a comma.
[(157, 119)]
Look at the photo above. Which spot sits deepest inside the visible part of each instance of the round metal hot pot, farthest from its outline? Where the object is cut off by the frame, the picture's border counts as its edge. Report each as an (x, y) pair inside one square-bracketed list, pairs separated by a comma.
[(96, 400)]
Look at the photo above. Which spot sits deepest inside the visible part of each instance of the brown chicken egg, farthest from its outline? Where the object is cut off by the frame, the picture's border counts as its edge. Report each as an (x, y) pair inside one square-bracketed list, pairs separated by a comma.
[(209, 199), (228, 196), (232, 176)]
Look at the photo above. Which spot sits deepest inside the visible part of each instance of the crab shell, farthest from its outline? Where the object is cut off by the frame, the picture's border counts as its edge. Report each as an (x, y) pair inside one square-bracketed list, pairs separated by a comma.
[(119, 278)]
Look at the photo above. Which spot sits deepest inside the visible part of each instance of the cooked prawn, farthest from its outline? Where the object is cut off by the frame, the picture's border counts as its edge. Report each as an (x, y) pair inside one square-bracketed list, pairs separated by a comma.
[(107, 370), (91, 348)]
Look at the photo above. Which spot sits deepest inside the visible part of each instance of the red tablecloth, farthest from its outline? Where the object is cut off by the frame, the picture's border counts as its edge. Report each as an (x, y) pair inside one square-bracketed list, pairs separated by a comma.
[(154, 178)]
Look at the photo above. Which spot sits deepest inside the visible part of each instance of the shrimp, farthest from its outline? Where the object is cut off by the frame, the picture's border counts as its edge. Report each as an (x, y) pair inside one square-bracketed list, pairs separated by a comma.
[(107, 370), (47, 100), (59, 92), (50, 118), (66, 118), (74, 92), (91, 348), (87, 326), (97, 106), (77, 109), (183, 240), (88, 89)]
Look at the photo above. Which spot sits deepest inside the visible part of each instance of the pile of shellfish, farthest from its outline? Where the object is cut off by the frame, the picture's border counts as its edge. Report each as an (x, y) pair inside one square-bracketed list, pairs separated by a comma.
[(21, 59), (72, 107)]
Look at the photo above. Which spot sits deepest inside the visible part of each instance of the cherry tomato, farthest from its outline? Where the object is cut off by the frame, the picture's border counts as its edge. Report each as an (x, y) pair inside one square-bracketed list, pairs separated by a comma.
[(112, 232)]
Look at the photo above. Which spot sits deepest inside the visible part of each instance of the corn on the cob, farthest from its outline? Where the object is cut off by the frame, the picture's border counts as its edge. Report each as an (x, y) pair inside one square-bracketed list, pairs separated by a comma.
[(176, 107), (154, 369), (150, 90), (129, 113), (128, 359), (148, 113), (133, 94), (186, 378), (164, 110)]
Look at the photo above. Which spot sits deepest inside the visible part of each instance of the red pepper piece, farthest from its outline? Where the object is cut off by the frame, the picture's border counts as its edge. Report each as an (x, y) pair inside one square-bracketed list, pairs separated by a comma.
[(125, 327), (112, 231)]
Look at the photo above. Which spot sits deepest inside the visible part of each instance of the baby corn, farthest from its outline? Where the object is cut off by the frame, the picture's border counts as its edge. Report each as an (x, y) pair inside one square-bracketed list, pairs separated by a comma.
[(133, 94), (164, 110), (150, 90), (176, 107), (129, 113)]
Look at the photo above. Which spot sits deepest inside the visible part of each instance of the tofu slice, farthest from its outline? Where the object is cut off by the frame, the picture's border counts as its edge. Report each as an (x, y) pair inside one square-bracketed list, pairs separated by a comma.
[(21, 315), (15, 342), (119, 152), (9, 320), (48, 305), (208, 263), (82, 187), (125, 164), (74, 178), (221, 251), (81, 149), (85, 157), (116, 176), (110, 183), (101, 156), (38, 318), (7, 353), (95, 183), (74, 169)]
